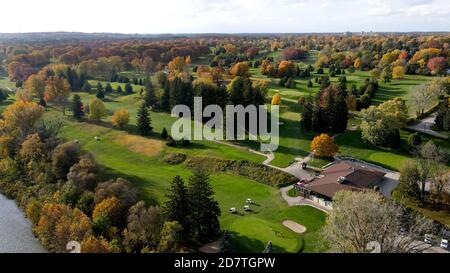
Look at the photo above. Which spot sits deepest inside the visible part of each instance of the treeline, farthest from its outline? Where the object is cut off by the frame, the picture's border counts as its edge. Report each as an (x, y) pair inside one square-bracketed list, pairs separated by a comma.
[(68, 197)]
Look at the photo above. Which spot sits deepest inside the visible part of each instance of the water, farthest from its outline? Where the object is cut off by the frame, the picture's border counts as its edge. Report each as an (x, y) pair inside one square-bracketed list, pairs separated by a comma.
[(15, 230)]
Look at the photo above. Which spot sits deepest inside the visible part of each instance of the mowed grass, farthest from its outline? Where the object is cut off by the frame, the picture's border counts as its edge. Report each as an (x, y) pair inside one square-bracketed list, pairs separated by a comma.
[(152, 176)]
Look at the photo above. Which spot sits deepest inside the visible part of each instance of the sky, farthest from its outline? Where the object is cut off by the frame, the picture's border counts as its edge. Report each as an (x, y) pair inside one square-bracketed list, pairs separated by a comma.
[(224, 16)]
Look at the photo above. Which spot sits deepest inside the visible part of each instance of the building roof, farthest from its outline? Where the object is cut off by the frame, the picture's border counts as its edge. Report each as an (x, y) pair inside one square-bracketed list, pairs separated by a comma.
[(345, 176)]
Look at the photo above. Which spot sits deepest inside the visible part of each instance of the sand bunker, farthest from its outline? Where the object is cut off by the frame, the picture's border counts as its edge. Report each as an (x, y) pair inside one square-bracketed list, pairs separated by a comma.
[(142, 145), (295, 227)]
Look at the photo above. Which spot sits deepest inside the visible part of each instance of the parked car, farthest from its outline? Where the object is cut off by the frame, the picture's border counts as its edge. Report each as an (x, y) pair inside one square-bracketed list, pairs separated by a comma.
[(444, 243)]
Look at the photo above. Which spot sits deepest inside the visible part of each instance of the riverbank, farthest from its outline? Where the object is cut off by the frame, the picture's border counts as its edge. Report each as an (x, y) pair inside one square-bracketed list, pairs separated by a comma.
[(15, 230)]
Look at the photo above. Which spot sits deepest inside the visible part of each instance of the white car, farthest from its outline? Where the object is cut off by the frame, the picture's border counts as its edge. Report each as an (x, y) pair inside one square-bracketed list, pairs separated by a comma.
[(444, 243)]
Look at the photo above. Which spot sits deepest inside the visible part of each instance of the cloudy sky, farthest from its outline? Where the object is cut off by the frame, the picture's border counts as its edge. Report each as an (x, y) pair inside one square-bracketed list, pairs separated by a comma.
[(224, 16)]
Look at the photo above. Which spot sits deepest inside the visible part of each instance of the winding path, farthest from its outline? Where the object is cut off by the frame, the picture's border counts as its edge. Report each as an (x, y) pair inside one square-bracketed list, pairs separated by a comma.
[(424, 126)]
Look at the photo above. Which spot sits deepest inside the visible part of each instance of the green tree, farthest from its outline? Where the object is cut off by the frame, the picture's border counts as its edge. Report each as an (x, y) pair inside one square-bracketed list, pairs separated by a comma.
[(170, 237), (268, 248), (149, 95), (108, 88), (408, 186), (164, 133), (144, 120), (86, 87), (128, 88), (204, 210), (226, 243), (77, 107), (177, 206)]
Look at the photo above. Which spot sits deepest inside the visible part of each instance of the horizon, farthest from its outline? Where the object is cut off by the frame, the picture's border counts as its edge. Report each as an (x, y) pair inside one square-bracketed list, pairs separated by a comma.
[(234, 17)]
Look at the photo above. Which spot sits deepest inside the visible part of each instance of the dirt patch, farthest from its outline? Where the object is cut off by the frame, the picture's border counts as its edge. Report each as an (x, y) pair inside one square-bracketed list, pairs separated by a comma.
[(213, 247), (295, 227), (138, 144)]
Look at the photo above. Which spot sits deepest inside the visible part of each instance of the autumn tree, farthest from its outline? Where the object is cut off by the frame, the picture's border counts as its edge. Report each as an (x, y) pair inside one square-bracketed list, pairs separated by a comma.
[(358, 218), (35, 84), (398, 72), (120, 118), (20, 117), (437, 65), (120, 188), (426, 95), (57, 90), (97, 110), (240, 69), (276, 99), (64, 157), (143, 228), (170, 237), (111, 209), (84, 174), (323, 146)]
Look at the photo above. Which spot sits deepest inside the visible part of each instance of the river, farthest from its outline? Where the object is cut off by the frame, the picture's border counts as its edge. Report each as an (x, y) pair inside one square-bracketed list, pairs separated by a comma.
[(15, 230)]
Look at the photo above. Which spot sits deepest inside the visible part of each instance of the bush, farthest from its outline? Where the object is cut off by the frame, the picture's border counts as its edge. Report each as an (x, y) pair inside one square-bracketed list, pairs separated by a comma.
[(414, 139), (174, 158), (251, 170)]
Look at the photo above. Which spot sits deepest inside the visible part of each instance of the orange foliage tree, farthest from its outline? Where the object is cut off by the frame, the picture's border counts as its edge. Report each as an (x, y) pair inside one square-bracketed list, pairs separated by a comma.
[(324, 146)]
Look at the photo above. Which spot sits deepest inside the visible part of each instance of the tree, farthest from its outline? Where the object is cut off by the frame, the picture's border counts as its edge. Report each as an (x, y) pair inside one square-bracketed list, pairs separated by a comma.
[(430, 158), (408, 187), (84, 173), (323, 146), (149, 96), (20, 117), (111, 209), (203, 209), (164, 133), (276, 99), (268, 248), (35, 84), (144, 121), (442, 119), (143, 228), (287, 69), (97, 110), (64, 157), (91, 244), (177, 206), (120, 118), (358, 218), (77, 107), (226, 243), (128, 88), (437, 65), (57, 90), (60, 224), (309, 84), (170, 237), (86, 87), (293, 53), (398, 72), (414, 139), (119, 89), (425, 96), (240, 69), (108, 88), (386, 74), (120, 188)]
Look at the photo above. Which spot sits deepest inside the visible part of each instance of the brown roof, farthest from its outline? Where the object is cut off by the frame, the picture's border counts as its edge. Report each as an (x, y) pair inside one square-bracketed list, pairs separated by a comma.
[(345, 176)]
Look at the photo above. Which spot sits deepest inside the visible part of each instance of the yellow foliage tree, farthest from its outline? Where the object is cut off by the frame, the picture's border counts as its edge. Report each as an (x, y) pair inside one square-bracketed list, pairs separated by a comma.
[(97, 110), (20, 117), (276, 99), (357, 63), (240, 69), (398, 72), (121, 118), (324, 146)]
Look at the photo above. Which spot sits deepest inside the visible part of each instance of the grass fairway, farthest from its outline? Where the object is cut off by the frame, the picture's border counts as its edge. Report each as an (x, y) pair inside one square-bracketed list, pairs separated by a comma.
[(152, 175)]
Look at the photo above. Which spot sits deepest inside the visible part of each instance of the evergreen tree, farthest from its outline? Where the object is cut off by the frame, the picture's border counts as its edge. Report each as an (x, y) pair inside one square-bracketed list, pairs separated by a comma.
[(226, 243), (108, 88), (149, 97), (165, 100), (268, 248), (176, 208), (307, 113), (340, 112), (164, 133), (128, 88), (77, 107), (119, 89), (86, 87), (100, 92), (144, 121), (309, 84), (204, 211)]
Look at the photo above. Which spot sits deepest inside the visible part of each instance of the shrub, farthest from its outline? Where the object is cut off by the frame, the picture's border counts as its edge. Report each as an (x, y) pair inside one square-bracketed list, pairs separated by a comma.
[(174, 158), (251, 170)]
